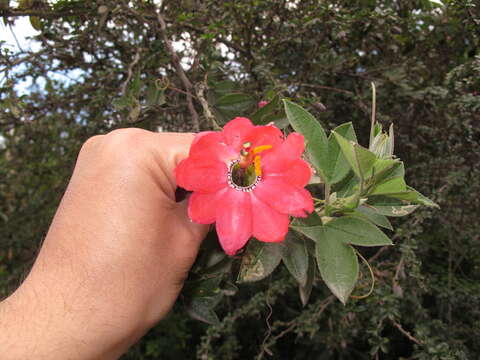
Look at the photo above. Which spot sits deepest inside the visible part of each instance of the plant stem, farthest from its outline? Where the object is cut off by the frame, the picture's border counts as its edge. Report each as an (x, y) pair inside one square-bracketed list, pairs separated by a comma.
[(372, 123), (327, 198)]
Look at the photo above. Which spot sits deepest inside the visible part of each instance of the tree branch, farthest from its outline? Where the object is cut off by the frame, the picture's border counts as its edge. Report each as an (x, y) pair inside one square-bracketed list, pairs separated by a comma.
[(42, 13), (206, 109), (130, 71), (20, 60), (180, 72), (314, 86), (405, 332)]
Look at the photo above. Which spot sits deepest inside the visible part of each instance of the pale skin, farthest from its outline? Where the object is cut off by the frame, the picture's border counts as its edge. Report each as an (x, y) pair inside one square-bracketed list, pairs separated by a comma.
[(115, 257)]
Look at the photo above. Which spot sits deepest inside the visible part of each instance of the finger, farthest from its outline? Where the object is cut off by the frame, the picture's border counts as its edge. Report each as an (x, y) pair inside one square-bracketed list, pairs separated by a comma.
[(170, 149), (199, 231)]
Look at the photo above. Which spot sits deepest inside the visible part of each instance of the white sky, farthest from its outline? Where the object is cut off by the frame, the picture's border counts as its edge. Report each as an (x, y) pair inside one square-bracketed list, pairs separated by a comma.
[(22, 29)]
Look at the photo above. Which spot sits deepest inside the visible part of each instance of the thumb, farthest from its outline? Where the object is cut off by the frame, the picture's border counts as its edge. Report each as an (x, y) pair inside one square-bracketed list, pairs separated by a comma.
[(197, 231)]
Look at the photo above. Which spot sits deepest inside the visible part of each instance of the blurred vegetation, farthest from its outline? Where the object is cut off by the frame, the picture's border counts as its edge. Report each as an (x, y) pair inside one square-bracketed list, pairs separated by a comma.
[(104, 64)]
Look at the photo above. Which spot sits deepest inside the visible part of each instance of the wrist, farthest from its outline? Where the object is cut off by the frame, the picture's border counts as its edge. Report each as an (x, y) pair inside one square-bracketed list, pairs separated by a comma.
[(20, 329), (33, 323)]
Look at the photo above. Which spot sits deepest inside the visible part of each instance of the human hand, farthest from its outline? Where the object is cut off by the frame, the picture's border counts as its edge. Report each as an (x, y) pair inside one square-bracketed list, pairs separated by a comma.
[(115, 257)]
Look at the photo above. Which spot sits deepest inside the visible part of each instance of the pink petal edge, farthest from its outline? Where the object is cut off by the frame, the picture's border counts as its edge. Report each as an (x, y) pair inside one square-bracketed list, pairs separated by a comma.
[(234, 220)]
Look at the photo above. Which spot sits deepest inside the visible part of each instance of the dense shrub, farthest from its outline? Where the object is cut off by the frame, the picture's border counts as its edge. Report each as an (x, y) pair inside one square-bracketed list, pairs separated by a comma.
[(104, 65)]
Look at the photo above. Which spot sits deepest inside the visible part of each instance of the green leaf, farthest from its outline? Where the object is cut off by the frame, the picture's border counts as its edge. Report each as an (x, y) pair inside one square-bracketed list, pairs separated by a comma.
[(122, 103), (306, 289), (155, 96), (311, 220), (422, 199), (36, 23), (202, 295), (349, 230), (211, 255), (338, 264), (232, 105), (347, 186), (4, 4), (205, 286), (355, 231), (407, 195), (229, 288), (361, 160), (280, 120), (391, 207), (201, 308), (373, 215), (385, 169), (316, 140), (295, 257), (391, 186), (135, 112), (388, 177), (25, 4), (259, 260), (413, 196), (15, 110), (134, 86), (337, 166), (259, 116), (222, 87)]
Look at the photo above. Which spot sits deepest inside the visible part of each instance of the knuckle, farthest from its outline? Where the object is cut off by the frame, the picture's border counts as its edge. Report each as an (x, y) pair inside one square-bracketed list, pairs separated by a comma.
[(127, 136), (129, 141), (128, 146), (91, 142)]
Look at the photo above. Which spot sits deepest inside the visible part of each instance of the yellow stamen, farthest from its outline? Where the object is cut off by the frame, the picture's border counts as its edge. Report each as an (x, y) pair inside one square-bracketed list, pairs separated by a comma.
[(247, 145), (256, 164), (261, 148)]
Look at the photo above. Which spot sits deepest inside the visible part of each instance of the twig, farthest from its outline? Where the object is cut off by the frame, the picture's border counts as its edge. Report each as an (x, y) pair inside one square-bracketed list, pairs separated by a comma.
[(20, 60), (174, 89), (326, 88), (15, 38), (269, 327), (372, 286), (405, 332), (399, 269), (130, 70), (373, 119), (291, 326), (377, 254), (206, 109), (180, 72), (42, 13)]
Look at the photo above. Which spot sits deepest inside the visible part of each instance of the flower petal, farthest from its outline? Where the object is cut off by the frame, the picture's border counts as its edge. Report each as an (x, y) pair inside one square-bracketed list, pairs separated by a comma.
[(265, 135), (205, 177), (298, 173), (199, 135), (284, 197), (281, 157), (210, 145), (234, 132), (202, 207), (268, 224), (234, 220)]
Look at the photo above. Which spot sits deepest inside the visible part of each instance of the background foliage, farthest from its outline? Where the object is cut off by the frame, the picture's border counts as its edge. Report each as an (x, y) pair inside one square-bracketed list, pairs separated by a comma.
[(102, 65)]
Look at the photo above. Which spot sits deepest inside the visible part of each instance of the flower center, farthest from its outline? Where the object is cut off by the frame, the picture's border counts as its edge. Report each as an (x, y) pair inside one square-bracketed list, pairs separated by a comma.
[(245, 173), (241, 178)]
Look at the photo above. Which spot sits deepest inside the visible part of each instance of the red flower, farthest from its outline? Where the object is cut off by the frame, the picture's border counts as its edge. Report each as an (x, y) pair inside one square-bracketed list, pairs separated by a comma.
[(262, 103), (248, 180)]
